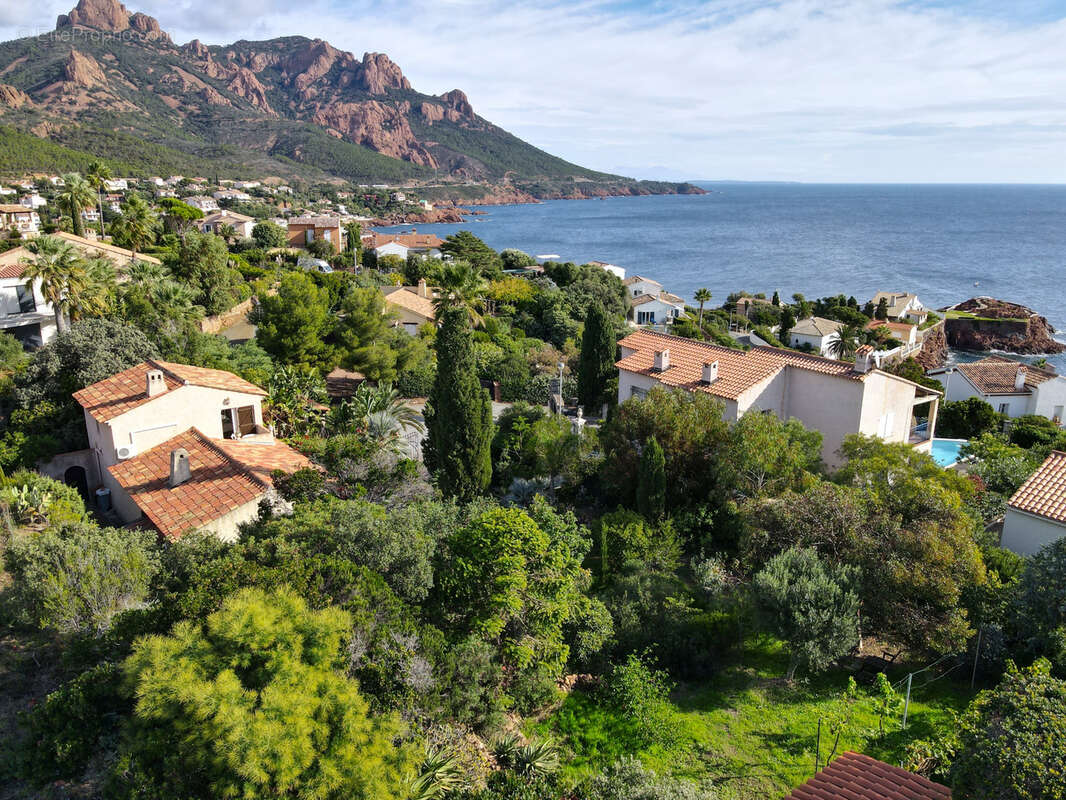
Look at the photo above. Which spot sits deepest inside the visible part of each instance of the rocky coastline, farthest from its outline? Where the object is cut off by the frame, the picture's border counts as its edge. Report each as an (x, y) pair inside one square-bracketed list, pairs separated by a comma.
[(986, 324)]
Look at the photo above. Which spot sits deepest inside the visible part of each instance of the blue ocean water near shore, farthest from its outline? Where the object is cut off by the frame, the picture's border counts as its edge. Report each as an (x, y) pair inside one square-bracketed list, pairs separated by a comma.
[(944, 242)]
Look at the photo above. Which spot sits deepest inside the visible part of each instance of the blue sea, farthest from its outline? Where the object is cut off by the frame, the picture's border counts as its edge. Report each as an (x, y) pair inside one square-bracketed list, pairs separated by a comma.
[(945, 243)]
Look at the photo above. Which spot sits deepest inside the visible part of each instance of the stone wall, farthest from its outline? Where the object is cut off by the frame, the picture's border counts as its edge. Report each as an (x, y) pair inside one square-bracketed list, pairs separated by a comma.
[(226, 318)]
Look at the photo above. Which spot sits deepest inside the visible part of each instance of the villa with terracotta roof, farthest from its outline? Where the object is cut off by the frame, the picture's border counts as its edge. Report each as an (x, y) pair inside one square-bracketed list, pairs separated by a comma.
[(836, 398), (426, 245), (661, 308), (901, 306), (816, 334), (183, 448), (304, 230), (1036, 513), (854, 776), (411, 306), (638, 285), (1010, 387)]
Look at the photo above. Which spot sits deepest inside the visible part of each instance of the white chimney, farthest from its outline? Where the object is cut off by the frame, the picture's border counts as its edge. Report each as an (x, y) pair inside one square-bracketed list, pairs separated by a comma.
[(180, 471), (662, 360), (1019, 378), (710, 372), (154, 383), (423, 288), (862, 361)]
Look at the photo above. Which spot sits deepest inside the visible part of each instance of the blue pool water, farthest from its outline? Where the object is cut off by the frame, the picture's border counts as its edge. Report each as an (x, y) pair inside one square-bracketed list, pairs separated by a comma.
[(945, 452)]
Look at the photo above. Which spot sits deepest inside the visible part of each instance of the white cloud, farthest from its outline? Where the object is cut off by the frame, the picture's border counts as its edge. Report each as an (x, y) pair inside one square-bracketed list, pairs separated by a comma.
[(795, 89)]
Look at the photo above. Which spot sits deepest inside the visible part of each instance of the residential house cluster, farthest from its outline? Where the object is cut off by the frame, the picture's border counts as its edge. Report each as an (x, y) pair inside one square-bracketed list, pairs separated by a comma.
[(650, 304)]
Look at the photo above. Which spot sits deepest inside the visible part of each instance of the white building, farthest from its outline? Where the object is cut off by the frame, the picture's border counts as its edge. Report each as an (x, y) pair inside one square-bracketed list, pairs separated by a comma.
[(1036, 513), (117, 185), (202, 202), (612, 268), (1008, 386), (231, 194), (638, 285), (817, 333), (834, 397), (426, 245), (32, 201), (901, 306), (24, 313), (182, 448), (242, 224), (661, 308), (20, 218)]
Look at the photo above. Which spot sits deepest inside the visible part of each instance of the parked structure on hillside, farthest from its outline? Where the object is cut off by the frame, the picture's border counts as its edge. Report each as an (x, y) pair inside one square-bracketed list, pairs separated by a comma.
[(834, 397), (180, 448), (1010, 387), (304, 230), (1036, 513)]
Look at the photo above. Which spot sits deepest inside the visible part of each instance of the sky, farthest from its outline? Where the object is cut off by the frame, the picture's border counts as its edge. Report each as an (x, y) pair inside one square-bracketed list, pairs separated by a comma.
[(794, 90)]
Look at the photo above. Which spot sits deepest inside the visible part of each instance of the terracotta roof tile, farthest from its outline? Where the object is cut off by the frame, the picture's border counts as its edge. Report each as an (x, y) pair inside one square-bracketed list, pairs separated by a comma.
[(895, 327), (412, 241), (1044, 493), (858, 777), (996, 375), (126, 390), (225, 476), (411, 301), (817, 326), (639, 279), (738, 370)]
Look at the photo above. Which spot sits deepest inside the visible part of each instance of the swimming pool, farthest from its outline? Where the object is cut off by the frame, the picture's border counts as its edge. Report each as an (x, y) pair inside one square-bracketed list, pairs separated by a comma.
[(945, 452)]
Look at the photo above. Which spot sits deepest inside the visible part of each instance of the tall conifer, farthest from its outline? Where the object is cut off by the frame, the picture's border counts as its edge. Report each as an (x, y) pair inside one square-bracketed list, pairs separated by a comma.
[(596, 364), (459, 414)]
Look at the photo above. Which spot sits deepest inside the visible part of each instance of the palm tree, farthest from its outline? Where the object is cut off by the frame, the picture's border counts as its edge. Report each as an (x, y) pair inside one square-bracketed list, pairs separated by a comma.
[(843, 347), (702, 296), (77, 195), (383, 399), (138, 225), (97, 173), (57, 265), (146, 273), (97, 296), (461, 286)]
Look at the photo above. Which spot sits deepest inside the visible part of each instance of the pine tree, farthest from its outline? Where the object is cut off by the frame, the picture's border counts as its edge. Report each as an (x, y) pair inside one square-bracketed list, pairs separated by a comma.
[(776, 299), (596, 365), (459, 414), (882, 309), (651, 481)]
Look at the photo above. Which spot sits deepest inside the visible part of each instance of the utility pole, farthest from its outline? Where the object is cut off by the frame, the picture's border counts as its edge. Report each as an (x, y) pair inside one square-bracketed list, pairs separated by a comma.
[(907, 702)]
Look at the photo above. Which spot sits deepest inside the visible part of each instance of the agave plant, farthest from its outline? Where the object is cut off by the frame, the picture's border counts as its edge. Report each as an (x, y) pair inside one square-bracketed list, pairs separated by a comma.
[(538, 758), (438, 776), (505, 747)]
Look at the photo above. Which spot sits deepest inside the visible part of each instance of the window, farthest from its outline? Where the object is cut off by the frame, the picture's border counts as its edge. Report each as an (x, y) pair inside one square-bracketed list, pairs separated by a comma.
[(645, 317), (1056, 414), (25, 297), (227, 423), (636, 391), (1003, 407)]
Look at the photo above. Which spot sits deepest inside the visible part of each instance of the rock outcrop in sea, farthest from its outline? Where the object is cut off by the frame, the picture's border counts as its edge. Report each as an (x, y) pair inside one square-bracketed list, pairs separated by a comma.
[(991, 324)]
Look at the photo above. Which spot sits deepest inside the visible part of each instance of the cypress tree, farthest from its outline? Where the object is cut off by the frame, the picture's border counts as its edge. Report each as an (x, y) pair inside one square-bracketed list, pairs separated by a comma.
[(651, 481), (882, 309), (596, 364), (458, 414)]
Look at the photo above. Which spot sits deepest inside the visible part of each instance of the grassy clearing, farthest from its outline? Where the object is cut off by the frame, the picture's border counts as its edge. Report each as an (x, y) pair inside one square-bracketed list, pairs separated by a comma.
[(746, 729), (969, 315)]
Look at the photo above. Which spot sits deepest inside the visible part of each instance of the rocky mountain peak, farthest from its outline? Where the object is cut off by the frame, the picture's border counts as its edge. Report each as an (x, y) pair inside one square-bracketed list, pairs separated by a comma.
[(110, 15), (457, 101), (378, 73)]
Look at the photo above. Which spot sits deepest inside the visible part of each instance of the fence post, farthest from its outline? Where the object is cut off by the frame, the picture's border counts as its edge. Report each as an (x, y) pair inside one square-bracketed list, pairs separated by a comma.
[(907, 702)]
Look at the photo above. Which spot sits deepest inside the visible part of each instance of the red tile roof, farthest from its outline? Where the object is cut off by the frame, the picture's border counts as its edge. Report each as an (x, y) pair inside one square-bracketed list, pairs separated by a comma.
[(858, 777), (412, 241), (738, 370), (1044, 492), (225, 476), (126, 390), (996, 375)]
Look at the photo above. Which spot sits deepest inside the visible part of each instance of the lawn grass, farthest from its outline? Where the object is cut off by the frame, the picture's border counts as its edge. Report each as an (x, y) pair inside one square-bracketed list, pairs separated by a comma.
[(748, 730), (968, 315)]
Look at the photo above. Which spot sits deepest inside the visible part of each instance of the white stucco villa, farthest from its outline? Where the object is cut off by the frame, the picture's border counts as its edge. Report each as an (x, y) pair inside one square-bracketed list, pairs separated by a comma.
[(817, 333), (901, 306), (661, 308), (1010, 387), (1036, 513), (836, 398), (180, 448), (637, 285)]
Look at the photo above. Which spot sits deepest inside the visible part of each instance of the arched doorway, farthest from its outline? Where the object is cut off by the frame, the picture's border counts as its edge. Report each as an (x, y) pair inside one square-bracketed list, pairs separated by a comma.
[(76, 477)]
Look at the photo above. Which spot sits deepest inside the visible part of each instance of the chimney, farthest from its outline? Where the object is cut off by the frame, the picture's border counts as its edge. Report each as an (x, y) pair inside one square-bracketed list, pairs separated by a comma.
[(662, 360), (179, 467), (862, 359), (154, 383), (1019, 378), (423, 288), (710, 372)]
